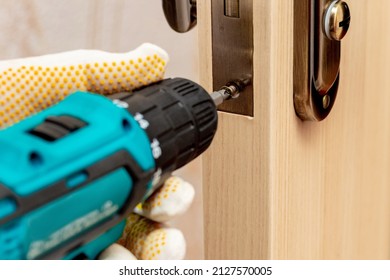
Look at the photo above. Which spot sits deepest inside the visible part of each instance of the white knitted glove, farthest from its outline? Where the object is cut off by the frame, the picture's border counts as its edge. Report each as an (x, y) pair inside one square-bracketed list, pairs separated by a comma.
[(30, 85), (145, 236)]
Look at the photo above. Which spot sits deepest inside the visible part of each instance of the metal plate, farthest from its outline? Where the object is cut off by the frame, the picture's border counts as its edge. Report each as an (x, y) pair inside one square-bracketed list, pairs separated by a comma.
[(316, 61), (232, 39)]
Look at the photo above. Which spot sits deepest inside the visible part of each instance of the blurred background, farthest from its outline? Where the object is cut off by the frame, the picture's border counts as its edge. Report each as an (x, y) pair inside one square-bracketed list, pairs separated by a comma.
[(38, 27)]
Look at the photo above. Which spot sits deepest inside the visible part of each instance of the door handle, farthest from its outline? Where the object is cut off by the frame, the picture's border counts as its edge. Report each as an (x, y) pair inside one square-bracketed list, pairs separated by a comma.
[(180, 14)]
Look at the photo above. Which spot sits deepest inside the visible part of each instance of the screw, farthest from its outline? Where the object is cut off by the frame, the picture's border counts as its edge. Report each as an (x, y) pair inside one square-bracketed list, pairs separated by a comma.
[(326, 101), (231, 90), (337, 20)]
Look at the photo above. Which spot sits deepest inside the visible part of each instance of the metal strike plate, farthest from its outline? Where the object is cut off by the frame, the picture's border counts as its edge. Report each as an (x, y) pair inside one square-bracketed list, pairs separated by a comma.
[(319, 25), (232, 39)]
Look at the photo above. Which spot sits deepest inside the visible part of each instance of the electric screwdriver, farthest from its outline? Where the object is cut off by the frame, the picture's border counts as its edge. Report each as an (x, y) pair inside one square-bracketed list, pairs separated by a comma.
[(70, 175)]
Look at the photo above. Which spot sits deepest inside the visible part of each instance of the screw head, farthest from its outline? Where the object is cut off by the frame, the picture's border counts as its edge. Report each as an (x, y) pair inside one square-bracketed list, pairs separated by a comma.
[(337, 20), (326, 101)]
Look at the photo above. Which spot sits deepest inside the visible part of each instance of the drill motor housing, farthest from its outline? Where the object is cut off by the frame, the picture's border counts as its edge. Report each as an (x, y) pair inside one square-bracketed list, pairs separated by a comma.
[(70, 175)]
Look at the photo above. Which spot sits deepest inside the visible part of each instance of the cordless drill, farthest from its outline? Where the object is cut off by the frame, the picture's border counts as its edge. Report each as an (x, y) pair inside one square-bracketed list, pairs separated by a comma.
[(70, 175)]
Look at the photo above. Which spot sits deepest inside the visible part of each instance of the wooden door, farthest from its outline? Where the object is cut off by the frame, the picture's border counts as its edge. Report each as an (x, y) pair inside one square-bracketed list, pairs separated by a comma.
[(279, 188)]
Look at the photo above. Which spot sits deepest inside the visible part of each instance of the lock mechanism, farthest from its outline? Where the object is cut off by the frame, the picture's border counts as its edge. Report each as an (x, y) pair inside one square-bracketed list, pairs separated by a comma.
[(232, 44), (319, 27), (232, 51), (337, 19)]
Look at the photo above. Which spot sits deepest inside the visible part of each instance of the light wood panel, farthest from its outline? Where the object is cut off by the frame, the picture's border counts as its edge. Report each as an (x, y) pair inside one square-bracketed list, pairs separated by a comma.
[(279, 188), (236, 169)]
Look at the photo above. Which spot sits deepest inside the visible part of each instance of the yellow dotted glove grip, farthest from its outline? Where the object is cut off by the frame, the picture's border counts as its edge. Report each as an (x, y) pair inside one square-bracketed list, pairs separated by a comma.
[(30, 85), (149, 240)]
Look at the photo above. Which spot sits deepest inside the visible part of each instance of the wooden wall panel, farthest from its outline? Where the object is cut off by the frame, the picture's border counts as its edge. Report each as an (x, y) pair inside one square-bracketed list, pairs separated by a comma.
[(279, 188), (236, 170)]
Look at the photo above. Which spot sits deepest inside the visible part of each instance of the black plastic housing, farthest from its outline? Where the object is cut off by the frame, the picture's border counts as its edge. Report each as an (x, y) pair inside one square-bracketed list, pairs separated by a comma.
[(180, 115)]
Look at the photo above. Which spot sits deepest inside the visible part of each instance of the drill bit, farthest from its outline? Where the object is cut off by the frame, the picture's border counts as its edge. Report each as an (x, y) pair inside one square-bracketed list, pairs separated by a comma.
[(231, 90)]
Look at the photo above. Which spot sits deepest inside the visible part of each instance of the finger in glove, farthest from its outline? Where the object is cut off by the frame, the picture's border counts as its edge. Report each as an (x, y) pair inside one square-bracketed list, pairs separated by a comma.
[(149, 240), (30, 85)]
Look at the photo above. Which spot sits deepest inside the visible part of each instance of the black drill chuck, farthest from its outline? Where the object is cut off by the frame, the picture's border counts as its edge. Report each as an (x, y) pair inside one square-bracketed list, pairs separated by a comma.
[(180, 119)]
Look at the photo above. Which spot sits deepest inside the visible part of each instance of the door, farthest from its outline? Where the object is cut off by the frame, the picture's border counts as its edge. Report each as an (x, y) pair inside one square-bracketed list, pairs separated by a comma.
[(276, 187)]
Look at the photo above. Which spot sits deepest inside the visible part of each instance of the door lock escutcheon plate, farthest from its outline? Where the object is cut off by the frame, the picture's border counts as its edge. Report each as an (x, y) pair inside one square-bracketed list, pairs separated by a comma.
[(319, 25), (232, 47)]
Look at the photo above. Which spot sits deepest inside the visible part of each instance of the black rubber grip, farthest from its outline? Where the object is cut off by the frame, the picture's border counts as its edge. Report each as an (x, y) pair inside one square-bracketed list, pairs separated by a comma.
[(57, 127), (179, 114)]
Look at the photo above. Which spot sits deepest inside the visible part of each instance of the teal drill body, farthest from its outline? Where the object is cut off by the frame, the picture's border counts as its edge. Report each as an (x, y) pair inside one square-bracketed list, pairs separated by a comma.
[(70, 175)]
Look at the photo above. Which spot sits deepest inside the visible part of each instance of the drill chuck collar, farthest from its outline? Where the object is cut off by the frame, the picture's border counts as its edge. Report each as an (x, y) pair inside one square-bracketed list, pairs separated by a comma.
[(179, 117)]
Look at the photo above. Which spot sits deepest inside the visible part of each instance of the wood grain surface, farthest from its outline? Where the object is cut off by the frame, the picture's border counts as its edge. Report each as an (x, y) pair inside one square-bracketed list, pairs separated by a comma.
[(279, 188)]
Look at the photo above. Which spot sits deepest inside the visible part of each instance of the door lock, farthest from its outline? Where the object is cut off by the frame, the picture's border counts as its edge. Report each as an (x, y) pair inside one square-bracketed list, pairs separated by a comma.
[(319, 26), (232, 44), (232, 51), (337, 19)]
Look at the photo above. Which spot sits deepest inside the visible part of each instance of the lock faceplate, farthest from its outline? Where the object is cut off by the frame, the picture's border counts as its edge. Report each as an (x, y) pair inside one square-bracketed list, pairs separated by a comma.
[(232, 39), (316, 57)]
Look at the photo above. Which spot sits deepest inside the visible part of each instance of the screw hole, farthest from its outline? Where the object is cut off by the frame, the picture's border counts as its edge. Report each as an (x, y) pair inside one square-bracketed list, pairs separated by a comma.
[(35, 159), (126, 125)]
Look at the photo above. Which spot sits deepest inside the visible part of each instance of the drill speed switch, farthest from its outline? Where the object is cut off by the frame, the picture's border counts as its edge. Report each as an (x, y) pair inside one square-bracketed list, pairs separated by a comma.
[(70, 175)]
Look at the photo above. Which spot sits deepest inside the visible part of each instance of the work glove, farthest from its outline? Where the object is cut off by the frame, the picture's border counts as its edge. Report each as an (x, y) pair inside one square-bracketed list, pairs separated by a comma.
[(32, 84)]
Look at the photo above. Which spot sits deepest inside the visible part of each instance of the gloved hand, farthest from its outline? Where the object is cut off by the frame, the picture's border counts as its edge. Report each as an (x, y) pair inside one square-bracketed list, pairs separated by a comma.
[(145, 235), (30, 85)]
